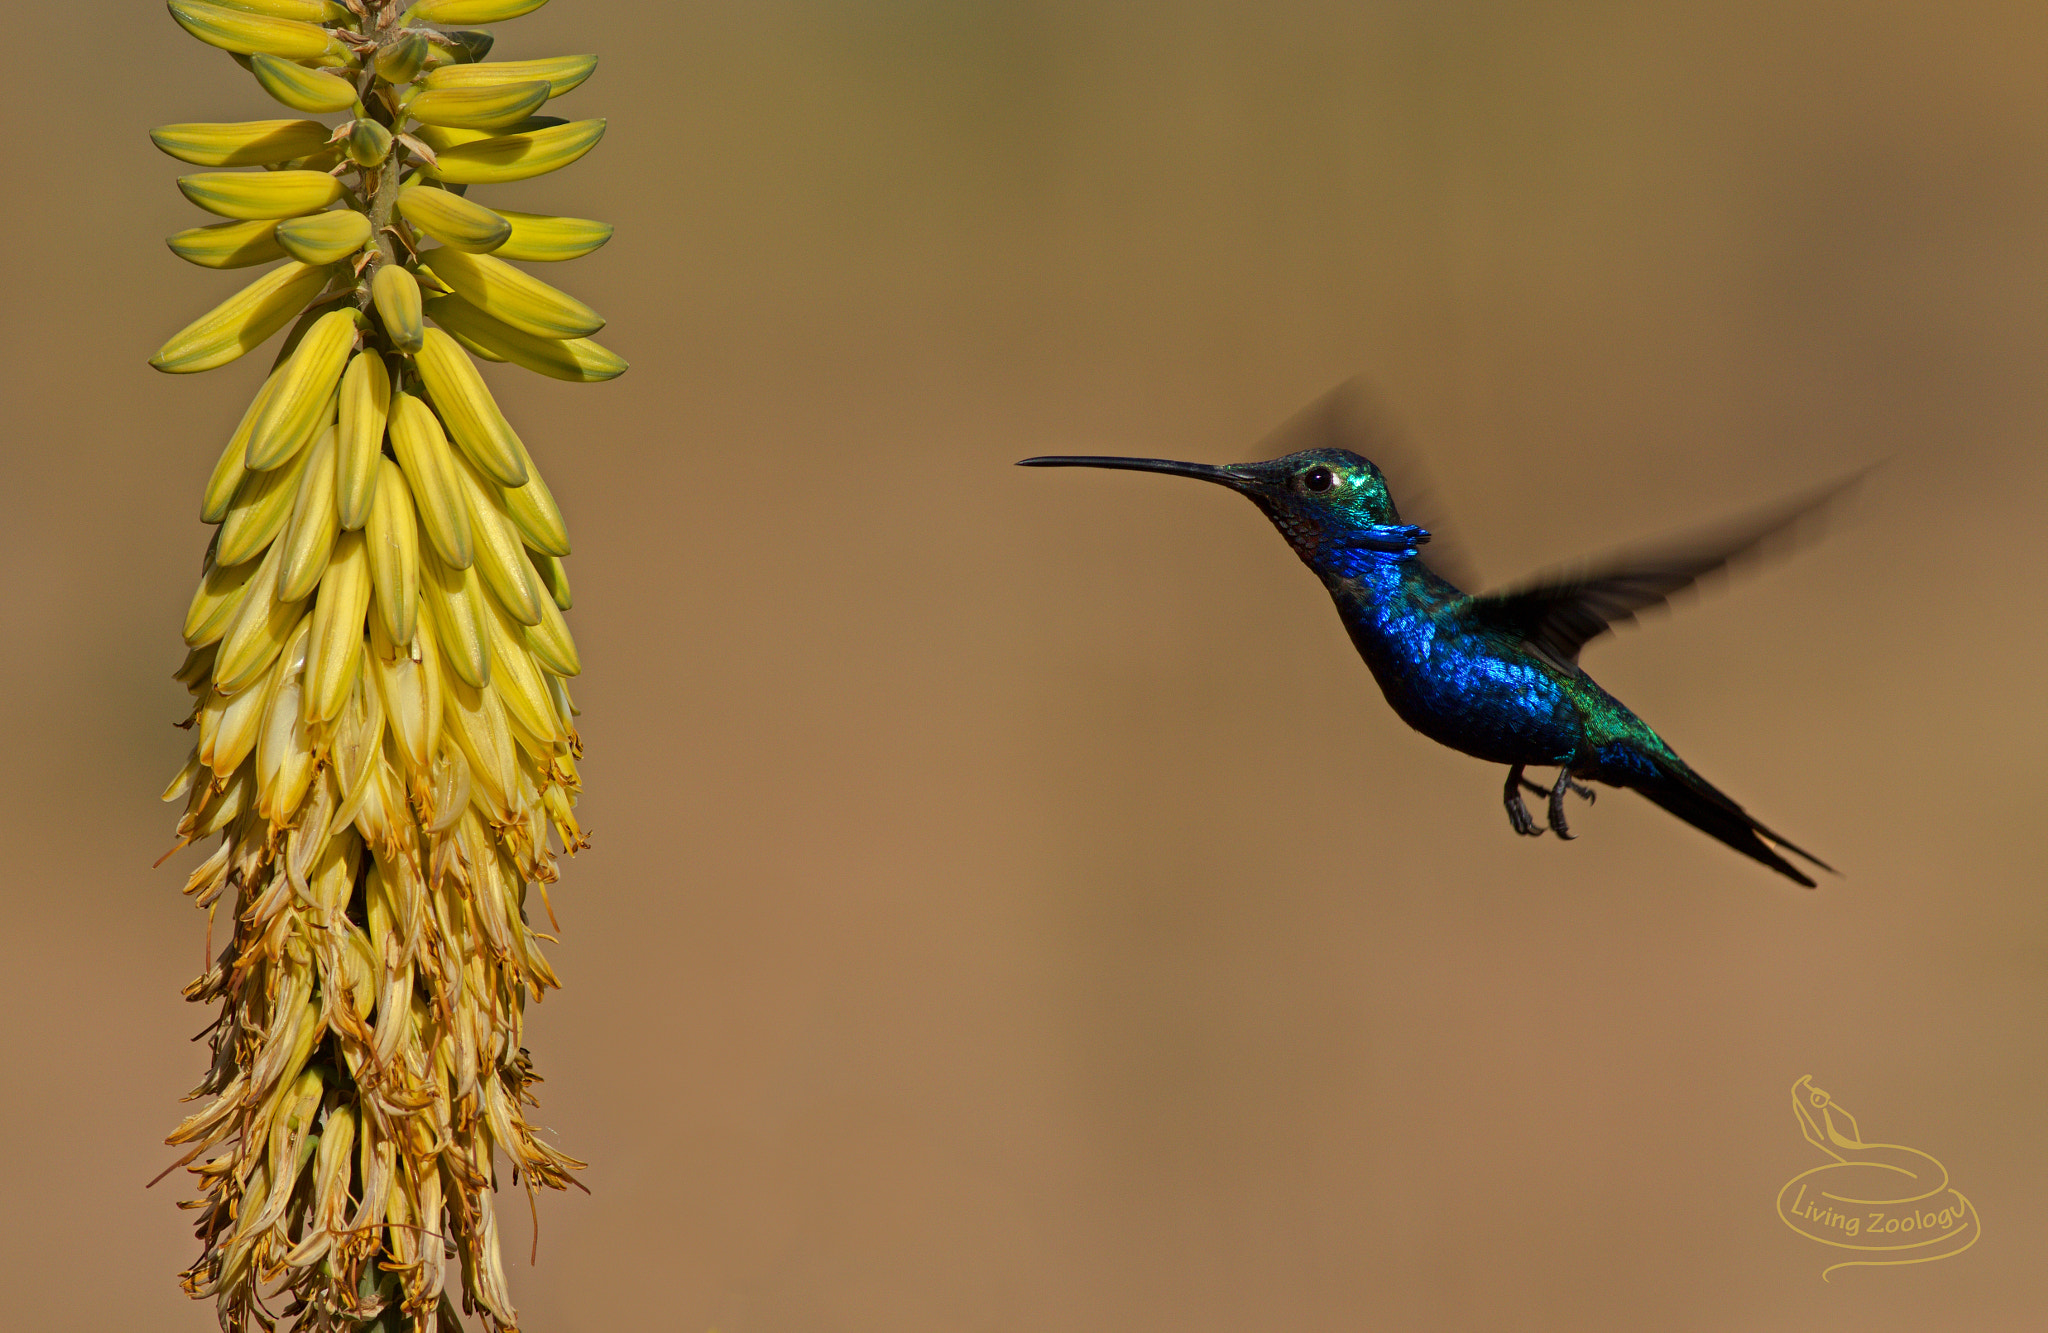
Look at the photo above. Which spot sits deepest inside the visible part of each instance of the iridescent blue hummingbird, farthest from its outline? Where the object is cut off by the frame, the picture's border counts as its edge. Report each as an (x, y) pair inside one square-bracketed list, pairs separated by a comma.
[(1496, 676)]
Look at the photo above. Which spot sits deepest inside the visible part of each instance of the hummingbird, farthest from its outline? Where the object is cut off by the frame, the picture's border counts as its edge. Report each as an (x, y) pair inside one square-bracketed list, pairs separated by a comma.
[(1494, 676)]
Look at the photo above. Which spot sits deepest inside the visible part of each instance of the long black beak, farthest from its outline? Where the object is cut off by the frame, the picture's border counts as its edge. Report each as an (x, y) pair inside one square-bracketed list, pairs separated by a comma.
[(1232, 477)]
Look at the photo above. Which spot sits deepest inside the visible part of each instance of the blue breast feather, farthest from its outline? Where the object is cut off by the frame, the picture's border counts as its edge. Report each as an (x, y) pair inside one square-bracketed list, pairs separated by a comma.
[(1452, 682)]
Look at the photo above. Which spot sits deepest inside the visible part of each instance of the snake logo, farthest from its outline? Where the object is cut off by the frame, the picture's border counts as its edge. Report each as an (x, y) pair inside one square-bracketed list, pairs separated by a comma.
[(1892, 1202)]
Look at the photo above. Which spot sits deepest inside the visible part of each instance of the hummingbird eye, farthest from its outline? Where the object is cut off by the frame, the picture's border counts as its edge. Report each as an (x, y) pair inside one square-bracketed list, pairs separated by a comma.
[(1317, 480)]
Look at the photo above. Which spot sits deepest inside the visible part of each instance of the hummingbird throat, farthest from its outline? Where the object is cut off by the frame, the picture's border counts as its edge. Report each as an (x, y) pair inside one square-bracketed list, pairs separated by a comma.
[(1401, 539), (1353, 552)]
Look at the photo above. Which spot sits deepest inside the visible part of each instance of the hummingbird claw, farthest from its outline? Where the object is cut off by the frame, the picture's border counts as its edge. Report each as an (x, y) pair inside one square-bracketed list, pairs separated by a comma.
[(1519, 817), (1564, 784)]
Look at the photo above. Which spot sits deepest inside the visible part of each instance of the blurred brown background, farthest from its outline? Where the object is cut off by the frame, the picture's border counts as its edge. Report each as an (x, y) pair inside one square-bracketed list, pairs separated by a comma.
[(1013, 906)]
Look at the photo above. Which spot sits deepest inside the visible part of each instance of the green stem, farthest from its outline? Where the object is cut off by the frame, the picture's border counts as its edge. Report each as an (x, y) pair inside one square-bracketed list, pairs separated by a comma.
[(379, 14)]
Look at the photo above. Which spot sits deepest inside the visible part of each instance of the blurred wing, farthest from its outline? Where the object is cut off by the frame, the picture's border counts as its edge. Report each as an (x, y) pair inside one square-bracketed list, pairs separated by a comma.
[(1558, 613), (1347, 417)]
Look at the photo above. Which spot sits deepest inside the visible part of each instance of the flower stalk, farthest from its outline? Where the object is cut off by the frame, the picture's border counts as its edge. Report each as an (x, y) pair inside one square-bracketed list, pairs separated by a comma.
[(384, 742)]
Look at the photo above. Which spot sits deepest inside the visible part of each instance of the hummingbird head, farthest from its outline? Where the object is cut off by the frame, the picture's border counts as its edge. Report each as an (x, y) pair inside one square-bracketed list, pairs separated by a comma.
[(1331, 505)]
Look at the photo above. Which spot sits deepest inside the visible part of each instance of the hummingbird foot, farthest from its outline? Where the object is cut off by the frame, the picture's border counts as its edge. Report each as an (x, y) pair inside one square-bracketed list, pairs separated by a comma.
[(1564, 784), (1519, 817), (1577, 789)]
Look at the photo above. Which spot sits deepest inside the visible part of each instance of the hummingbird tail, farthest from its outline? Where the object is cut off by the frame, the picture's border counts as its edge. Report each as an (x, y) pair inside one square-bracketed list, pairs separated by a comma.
[(1699, 803)]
